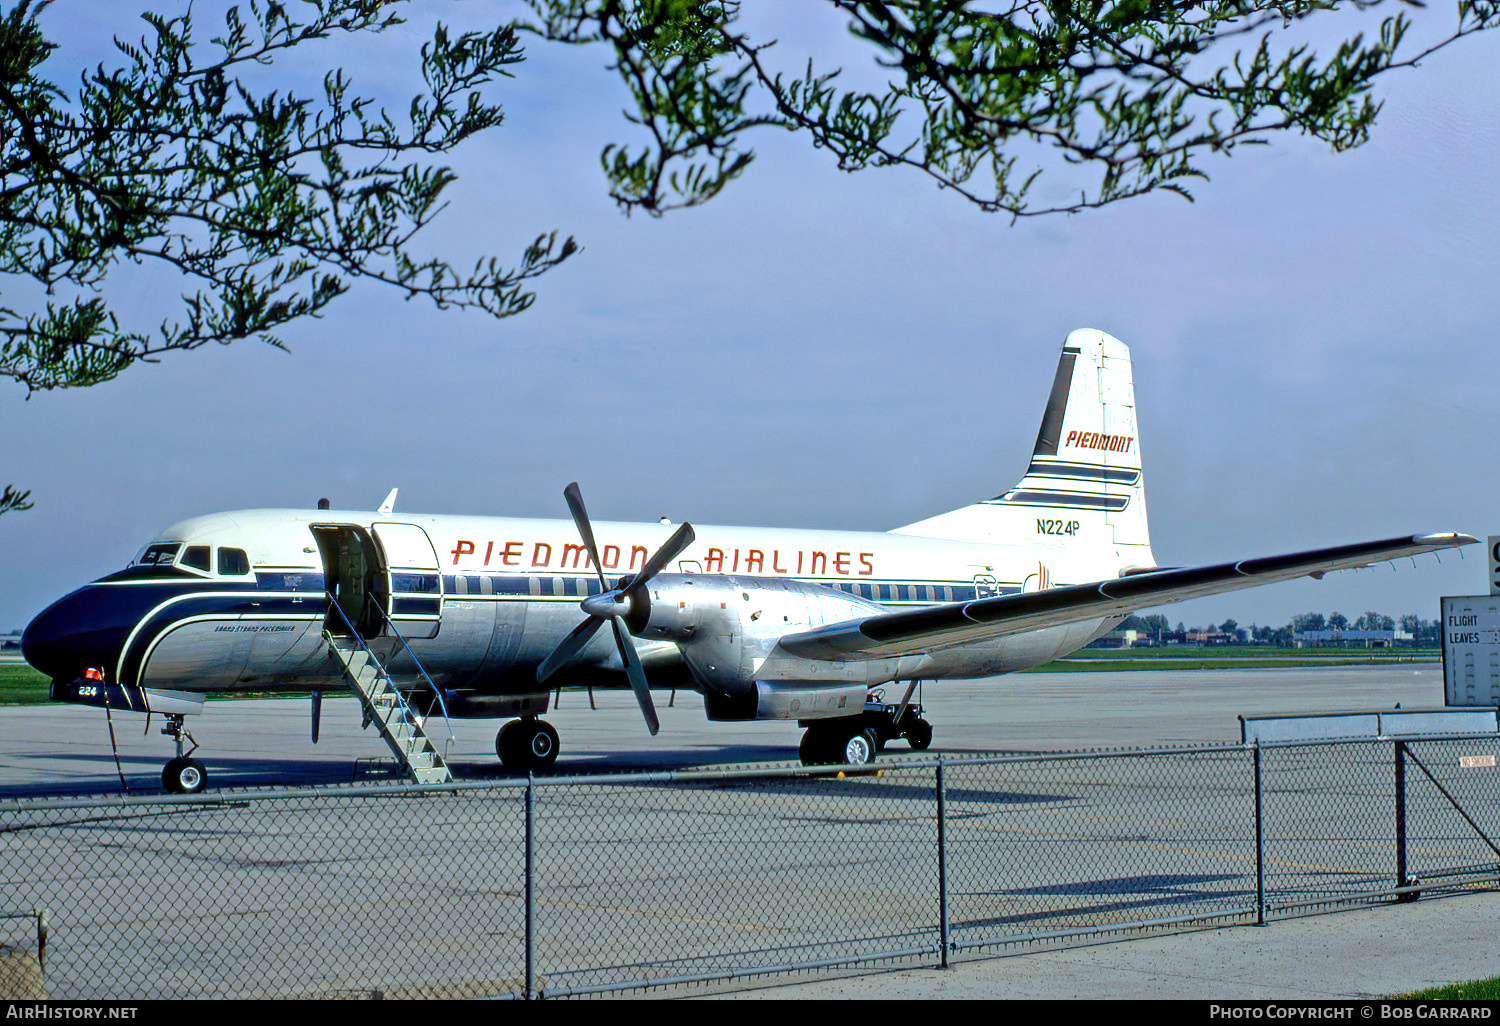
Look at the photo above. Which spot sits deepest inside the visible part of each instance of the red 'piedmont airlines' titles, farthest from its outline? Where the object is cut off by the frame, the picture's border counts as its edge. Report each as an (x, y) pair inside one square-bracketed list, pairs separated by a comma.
[(715, 560), (1094, 440)]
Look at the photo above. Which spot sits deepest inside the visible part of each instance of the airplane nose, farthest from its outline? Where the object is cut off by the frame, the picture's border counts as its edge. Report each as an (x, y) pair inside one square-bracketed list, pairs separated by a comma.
[(79, 630)]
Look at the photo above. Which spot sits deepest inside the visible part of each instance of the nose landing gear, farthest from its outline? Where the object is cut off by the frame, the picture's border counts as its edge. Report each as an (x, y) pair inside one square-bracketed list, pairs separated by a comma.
[(182, 775)]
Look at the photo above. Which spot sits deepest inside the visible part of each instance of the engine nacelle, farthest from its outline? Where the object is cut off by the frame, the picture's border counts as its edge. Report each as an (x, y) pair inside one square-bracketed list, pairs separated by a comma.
[(466, 705), (727, 626), (671, 607), (808, 699), (787, 700)]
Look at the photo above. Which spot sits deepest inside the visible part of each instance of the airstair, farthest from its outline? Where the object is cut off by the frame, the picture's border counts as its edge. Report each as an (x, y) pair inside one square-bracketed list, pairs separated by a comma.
[(385, 706)]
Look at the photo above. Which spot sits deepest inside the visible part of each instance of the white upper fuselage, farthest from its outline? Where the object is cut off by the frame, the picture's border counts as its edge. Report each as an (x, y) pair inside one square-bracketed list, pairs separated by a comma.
[(466, 546)]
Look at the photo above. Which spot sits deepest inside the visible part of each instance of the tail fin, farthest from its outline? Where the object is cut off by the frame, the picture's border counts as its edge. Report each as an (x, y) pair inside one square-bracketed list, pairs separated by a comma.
[(1085, 470)]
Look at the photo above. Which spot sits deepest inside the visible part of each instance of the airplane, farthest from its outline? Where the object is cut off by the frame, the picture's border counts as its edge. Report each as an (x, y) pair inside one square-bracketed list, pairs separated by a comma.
[(471, 616)]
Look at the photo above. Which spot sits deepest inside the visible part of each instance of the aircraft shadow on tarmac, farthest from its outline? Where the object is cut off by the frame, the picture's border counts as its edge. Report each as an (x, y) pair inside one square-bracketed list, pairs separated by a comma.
[(858, 783), (143, 775), (143, 772), (1134, 892)]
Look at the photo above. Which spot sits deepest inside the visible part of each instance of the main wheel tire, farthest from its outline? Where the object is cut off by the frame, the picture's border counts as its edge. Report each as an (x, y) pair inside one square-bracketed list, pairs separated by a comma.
[(527, 744), (505, 745), (859, 748), (919, 735), (541, 745), (184, 776), (814, 749)]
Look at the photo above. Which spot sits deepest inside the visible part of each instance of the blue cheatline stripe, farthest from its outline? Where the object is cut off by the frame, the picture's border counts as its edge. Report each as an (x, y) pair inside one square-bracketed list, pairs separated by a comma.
[(558, 587), (414, 584), (1084, 472), (527, 586), (880, 591), (496, 586), (1074, 500), (289, 580)]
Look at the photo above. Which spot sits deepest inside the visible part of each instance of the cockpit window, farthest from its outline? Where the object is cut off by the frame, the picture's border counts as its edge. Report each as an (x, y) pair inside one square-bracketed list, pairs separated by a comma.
[(176, 559), (158, 555), (148, 571)]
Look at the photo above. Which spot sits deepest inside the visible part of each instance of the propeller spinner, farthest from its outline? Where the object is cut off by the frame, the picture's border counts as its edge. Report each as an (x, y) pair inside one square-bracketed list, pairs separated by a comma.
[(614, 605)]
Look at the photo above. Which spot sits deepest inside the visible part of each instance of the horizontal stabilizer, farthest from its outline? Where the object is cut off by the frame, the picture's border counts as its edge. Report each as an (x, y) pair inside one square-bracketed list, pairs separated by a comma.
[(935, 627)]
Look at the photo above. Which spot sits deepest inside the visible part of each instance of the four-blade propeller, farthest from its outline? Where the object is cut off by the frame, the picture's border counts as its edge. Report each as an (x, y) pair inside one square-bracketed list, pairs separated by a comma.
[(614, 605)]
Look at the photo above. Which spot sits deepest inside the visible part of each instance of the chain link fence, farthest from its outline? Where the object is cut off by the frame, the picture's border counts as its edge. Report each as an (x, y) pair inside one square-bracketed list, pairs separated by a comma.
[(570, 886)]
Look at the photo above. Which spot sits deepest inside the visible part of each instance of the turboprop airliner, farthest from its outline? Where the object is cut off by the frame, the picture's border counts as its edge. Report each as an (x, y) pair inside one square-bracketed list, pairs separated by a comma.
[(485, 616)]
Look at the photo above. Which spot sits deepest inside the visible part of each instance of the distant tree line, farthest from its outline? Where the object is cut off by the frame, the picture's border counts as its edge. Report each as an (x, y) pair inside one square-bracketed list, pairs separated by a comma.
[(1160, 630)]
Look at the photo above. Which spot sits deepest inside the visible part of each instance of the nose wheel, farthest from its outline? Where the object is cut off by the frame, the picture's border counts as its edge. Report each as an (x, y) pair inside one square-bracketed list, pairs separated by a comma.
[(182, 775)]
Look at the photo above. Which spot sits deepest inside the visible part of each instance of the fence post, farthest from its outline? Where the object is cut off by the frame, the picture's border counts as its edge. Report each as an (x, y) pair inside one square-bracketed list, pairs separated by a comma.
[(1260, 844), (942, 839), (1399, 748), (530, 894)]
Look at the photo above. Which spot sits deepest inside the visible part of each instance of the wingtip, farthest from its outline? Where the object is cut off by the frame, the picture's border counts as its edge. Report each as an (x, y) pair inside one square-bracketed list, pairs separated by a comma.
[(1448, 539)]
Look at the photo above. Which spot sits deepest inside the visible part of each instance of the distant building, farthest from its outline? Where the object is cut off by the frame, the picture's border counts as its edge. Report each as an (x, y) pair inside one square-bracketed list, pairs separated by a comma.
[(1210, 637), (1350, 639), (1121, 639)]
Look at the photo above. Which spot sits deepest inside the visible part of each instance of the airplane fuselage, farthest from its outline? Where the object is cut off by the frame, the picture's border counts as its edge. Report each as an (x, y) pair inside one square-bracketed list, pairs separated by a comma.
[(498, 594)]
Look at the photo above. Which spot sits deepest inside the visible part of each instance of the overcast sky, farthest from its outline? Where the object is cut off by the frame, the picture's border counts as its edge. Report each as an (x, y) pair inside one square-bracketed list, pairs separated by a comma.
[(1313, 344)]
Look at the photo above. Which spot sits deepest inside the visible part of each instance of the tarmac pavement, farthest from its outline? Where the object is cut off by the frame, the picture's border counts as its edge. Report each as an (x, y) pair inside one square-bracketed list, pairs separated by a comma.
[(1346, 955), (1349, 955)]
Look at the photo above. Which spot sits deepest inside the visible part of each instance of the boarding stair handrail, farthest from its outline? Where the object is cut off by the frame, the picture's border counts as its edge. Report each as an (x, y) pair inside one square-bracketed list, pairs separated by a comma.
[(400, 696), (384, 704), (437, 691)]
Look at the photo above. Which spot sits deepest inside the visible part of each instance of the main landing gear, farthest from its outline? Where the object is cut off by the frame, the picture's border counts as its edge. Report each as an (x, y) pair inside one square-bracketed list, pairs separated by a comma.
[(855, 740), (182, 775), (527, 744)]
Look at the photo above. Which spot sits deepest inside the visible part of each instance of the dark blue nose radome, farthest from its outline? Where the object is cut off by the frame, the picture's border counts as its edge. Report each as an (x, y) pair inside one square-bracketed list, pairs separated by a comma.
[(84, 629)]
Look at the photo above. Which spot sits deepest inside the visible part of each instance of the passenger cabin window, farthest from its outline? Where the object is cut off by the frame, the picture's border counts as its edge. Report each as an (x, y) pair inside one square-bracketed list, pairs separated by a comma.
[(233, 563), (196, 558)]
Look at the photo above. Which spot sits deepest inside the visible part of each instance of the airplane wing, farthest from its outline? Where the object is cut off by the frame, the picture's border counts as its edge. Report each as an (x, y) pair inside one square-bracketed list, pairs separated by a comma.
[(957, 623)]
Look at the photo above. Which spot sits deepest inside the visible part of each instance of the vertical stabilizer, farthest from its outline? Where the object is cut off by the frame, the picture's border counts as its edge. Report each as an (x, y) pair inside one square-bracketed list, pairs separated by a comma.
[(1085, 472)]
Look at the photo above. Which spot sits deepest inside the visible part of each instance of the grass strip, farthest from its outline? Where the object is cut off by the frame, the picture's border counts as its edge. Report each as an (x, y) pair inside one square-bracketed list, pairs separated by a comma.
[(1206, 663), (1477, 990)]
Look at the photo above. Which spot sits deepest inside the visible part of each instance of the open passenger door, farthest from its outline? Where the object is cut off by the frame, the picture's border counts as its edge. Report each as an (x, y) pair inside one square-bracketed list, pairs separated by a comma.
[(387, 573), (411, 579)]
